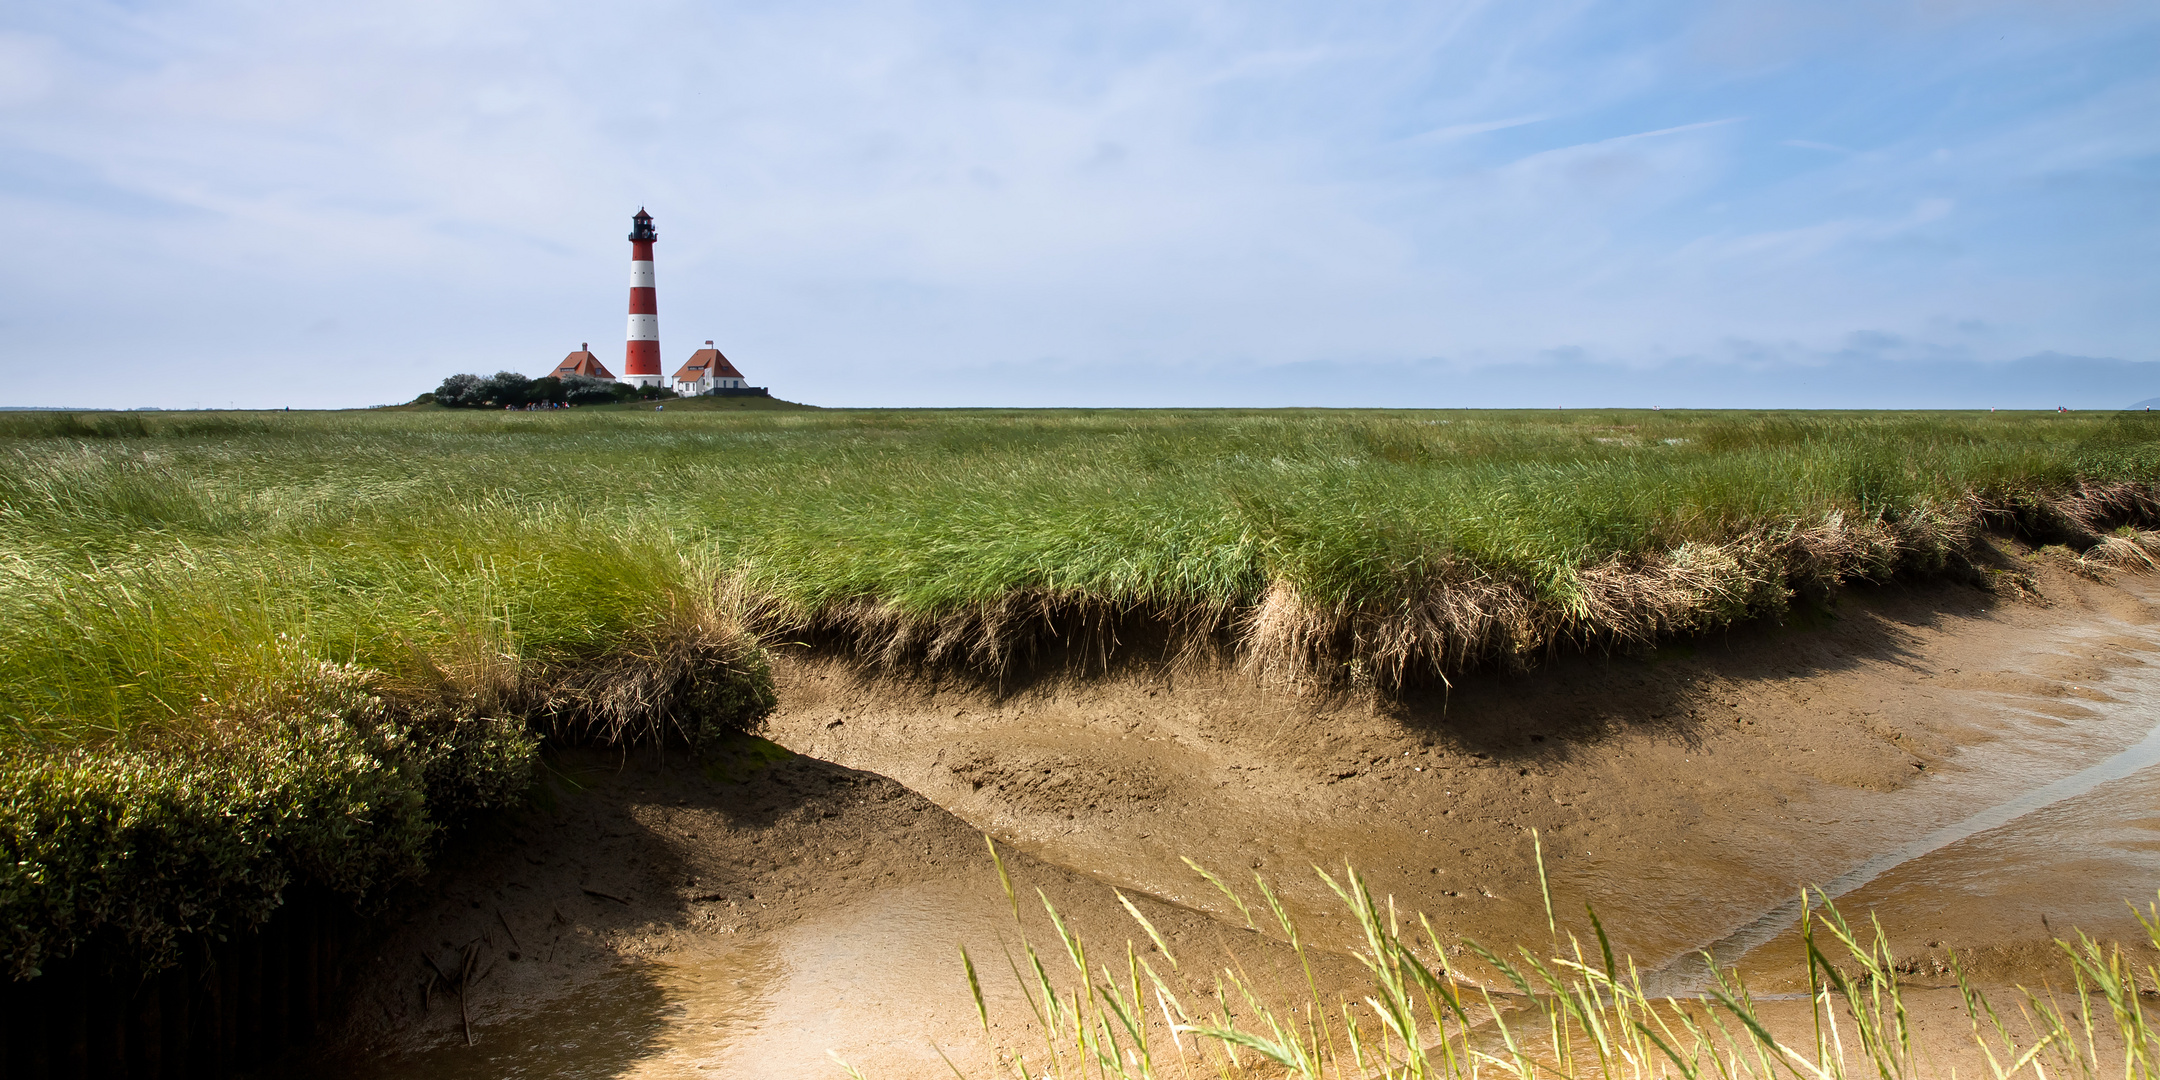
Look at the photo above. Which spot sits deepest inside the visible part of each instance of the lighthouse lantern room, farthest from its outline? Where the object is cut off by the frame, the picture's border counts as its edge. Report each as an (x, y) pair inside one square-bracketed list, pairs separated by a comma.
[(641, 352)]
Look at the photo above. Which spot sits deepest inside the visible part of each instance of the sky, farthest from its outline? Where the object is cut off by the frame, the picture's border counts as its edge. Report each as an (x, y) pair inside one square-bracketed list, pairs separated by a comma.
[(1936, 203)]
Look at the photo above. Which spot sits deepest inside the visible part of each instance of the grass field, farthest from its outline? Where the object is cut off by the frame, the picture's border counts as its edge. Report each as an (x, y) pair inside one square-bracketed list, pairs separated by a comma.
[(435, 588)]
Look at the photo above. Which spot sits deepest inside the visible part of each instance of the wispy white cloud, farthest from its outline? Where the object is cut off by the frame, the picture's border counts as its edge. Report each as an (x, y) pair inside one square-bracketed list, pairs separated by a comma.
[(1699, 125), (1789, 246), (1453, 132)]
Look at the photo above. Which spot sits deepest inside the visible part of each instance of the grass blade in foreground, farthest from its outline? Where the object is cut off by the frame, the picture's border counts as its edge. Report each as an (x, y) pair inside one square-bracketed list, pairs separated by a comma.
[(1593, 1023)]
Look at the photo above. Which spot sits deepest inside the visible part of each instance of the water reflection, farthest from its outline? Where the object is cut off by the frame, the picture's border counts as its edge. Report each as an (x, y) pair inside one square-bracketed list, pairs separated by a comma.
[(1686, 973), (603, 1028)]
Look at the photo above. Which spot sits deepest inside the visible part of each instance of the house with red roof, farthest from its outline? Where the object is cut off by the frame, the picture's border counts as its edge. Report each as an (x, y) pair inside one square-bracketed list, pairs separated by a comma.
[(582, 362), (707, 371)]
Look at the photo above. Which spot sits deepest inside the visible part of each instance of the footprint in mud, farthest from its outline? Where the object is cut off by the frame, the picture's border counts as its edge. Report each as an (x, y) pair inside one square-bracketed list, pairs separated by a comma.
[(1056, 782)]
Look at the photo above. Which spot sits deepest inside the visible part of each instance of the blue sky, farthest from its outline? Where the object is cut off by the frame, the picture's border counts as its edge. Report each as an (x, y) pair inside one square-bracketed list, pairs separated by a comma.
[(1756, 204)]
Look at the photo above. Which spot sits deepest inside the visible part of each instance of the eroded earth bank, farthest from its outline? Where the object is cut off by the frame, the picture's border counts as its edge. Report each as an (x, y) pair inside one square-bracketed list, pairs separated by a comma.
[(1969, 765)]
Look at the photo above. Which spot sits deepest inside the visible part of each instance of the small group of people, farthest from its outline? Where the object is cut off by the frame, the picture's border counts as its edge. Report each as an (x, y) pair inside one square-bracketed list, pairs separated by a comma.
[(536, 405)]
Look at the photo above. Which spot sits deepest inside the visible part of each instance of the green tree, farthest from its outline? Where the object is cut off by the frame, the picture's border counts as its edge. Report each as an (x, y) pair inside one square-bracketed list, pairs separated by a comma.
[(460, 392)]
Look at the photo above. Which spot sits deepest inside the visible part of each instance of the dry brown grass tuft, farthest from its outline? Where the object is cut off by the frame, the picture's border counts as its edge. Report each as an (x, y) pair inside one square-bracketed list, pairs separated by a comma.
[(698, 674), (2093, 507), (1463, 617), (2126, 553), (1014, 630)]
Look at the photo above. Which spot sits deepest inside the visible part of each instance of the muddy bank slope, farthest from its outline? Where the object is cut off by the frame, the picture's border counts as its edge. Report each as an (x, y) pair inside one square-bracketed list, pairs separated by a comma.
[(1685, 792)]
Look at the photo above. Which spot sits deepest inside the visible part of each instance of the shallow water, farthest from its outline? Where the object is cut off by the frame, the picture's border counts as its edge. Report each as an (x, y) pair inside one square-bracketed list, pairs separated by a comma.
[(2093, 806), (2052, 807), (597, 1029), (766, 1009), (890, 954)]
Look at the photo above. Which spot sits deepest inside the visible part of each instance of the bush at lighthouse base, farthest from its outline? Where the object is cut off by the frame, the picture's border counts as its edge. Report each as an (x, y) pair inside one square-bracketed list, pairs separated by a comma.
[(510, 390)]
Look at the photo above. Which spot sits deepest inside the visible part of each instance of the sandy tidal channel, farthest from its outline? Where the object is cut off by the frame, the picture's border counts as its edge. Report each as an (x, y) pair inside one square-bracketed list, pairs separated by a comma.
[(1976, 771)]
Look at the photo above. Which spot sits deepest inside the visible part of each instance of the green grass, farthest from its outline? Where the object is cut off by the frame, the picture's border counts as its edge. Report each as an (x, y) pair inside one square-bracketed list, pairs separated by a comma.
[(154, 561), (707, 403), (166, 579)]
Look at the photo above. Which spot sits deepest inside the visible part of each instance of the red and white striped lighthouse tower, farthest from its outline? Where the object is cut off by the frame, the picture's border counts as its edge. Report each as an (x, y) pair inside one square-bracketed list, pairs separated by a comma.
[(641, 354)]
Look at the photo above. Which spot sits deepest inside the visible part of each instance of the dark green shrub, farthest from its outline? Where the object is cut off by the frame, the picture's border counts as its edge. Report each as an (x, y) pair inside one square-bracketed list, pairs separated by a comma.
[(507, 390), (460, 392), (327, 786), (586, 390)]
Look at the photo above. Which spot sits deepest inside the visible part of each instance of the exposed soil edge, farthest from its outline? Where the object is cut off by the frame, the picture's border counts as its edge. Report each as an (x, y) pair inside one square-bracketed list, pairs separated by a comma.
[(1456, 616)]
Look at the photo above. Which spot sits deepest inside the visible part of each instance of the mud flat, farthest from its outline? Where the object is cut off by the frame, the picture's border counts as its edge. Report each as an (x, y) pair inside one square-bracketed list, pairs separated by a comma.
[(1972, 766)]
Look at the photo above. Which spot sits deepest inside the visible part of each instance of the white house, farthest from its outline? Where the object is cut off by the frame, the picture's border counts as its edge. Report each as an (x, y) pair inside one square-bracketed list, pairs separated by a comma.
[(706, 371)]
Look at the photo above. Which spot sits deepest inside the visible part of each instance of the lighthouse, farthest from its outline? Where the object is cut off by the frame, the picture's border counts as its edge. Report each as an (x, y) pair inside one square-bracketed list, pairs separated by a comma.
[(641, 353)]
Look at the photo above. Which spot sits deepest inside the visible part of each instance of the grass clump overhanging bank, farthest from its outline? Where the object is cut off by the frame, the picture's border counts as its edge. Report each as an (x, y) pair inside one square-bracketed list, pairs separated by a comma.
[(242, 650)]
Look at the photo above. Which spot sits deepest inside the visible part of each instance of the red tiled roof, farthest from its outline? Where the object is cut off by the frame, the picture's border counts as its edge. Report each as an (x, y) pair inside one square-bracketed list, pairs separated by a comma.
[(582, 363), (706, 362), (721, 369)]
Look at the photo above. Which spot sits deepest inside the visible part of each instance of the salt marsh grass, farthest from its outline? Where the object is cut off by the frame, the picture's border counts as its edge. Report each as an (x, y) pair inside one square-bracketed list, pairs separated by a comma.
[(1405, 544)]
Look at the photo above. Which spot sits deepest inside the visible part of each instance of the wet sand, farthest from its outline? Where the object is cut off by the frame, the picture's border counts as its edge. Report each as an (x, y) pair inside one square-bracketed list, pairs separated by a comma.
[(653, 917), (745, 917)]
